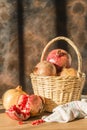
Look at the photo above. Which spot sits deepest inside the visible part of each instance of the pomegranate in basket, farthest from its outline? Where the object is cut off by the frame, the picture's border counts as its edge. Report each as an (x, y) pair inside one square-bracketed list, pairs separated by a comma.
[(45, 68), (60, 58), (68, 72)]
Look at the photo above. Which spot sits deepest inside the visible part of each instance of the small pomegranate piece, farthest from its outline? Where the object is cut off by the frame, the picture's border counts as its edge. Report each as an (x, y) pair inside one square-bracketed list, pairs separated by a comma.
[(37, 122), (60, 58), (36, 105)]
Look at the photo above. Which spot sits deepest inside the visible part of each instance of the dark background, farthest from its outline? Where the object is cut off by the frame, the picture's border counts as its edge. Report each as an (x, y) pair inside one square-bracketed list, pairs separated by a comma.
[(26, 26)]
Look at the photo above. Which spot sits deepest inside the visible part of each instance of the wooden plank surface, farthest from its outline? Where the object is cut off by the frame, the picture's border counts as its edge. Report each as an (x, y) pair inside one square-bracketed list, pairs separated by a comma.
[(8, 124)]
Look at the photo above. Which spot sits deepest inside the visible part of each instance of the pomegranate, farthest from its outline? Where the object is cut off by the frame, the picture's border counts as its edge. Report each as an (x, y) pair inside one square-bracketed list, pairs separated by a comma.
[(45, 68), (68, 72), (60, 58), (11, 96), (27, 105)]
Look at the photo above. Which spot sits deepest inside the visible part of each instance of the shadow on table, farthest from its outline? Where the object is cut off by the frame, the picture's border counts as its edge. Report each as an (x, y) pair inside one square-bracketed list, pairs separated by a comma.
[(2, 110)]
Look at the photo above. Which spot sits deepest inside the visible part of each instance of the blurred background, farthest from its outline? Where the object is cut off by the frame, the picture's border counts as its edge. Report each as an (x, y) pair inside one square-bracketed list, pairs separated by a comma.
[(26, 26)]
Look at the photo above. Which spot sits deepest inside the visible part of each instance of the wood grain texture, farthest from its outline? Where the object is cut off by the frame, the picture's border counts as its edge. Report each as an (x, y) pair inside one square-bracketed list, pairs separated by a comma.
[(8, 124)]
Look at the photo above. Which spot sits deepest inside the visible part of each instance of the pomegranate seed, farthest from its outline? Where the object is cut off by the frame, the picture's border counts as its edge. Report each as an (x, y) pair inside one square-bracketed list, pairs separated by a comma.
[(20, 122), (37, 122)]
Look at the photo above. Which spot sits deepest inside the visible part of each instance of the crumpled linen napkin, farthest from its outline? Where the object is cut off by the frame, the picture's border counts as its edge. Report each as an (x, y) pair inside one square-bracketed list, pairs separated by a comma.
[(68, 112)]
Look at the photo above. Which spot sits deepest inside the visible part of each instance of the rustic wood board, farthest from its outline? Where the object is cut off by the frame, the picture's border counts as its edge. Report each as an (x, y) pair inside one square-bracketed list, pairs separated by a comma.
[(8, 124)]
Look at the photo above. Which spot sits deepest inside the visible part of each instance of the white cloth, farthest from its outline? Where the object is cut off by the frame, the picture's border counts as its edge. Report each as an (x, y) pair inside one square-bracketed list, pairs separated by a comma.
[(68, 112)]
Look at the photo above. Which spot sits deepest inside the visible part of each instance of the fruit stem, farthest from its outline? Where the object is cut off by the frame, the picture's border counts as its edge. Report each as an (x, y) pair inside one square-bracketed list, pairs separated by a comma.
[(19, 87)]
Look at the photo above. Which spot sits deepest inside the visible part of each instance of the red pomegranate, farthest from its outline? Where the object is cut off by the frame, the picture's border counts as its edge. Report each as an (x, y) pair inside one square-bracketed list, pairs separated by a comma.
[(60, 58), (28, 105)]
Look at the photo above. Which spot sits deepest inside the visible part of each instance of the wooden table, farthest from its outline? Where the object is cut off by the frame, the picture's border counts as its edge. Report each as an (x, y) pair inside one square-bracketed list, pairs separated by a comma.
[(8, 124)]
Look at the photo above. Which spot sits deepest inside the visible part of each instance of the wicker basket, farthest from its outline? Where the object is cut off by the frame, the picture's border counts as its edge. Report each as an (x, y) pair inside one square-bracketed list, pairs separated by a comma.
[(57, 89)]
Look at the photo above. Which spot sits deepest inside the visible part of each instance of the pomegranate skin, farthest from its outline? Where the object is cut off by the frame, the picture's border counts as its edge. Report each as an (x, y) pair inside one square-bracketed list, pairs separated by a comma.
[(60, 58), (36, 105)]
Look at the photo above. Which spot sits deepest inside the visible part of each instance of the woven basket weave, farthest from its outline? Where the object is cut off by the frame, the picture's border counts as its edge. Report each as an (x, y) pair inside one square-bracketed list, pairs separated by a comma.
[(57, 89)]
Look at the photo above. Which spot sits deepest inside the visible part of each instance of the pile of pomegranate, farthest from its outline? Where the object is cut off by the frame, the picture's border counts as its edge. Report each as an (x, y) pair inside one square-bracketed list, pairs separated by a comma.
[(21, 106), (57, 63)]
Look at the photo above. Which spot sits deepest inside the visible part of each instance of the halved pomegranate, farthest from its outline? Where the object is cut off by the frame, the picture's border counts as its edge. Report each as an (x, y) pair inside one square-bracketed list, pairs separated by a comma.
[(28, 105)]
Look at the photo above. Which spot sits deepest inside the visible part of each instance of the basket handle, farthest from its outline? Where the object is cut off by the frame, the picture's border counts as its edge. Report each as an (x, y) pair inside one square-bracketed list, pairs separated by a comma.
[(69, 42)]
